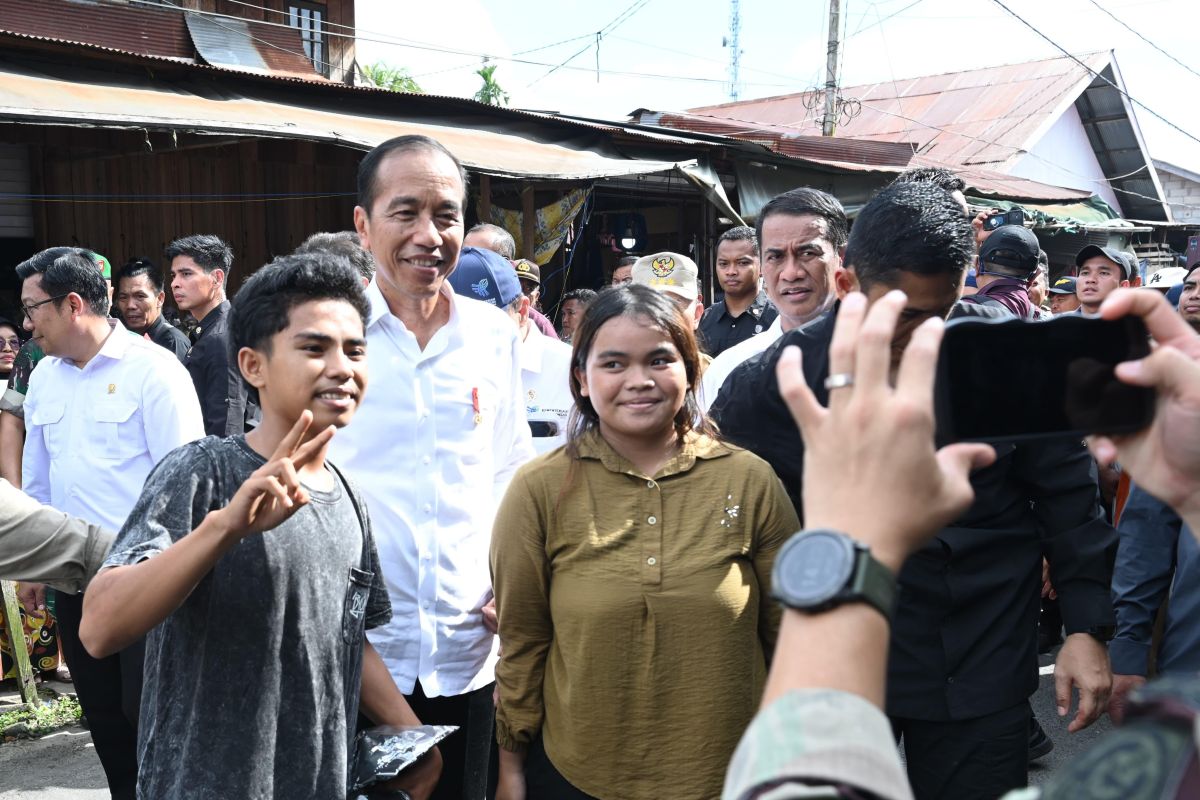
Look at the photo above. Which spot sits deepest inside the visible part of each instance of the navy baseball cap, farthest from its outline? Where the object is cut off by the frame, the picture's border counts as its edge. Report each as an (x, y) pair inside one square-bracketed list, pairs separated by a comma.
[(1119, 257), (1063, 286), (487, 276), (1010, 246)]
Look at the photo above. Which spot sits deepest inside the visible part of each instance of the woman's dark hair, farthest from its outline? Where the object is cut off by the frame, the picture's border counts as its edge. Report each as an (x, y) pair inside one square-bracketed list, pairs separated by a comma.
[(655, 309)]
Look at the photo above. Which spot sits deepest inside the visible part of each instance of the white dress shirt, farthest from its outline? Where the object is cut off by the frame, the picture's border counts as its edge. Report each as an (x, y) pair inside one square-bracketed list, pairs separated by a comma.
[(545, 376), (433, 445), (729, 360), (94, 433)]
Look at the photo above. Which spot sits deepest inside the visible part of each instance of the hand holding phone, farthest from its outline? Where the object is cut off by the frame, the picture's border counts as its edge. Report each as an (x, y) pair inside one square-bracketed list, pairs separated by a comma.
[(1012, 379)]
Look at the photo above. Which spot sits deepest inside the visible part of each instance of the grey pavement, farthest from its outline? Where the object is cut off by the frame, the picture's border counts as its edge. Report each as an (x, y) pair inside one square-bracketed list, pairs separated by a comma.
[(64, 766)]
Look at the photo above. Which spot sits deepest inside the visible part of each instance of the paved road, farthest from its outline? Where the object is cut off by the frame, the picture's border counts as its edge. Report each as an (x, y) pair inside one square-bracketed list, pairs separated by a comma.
[(64, 766)]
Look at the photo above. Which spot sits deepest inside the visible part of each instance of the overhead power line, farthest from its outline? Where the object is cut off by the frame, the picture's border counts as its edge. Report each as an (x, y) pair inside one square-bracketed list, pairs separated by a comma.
[(1095, 74), (633, 8), (1124, 25)]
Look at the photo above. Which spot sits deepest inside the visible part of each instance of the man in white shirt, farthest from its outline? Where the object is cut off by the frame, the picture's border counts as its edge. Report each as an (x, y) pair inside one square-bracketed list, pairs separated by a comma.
[(545, 362), (802, 236), (433, 446), (104, 406)]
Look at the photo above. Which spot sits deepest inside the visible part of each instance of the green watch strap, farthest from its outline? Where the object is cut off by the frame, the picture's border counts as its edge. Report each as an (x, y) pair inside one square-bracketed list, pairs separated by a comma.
[(873, 582)]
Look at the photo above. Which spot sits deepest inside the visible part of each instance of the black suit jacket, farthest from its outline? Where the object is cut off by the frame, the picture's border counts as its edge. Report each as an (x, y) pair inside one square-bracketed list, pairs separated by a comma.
[(964, 635)]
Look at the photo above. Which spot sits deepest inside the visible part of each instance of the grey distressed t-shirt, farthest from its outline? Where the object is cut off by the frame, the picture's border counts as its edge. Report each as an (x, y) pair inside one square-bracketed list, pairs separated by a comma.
[(251, 686)]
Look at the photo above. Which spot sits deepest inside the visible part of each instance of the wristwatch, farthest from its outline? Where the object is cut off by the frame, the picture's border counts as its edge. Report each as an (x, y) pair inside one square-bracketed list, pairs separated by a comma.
[(819, 569)]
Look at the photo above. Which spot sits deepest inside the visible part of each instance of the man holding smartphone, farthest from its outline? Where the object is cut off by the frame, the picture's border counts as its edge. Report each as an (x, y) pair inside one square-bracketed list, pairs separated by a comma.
[(1008, 264)]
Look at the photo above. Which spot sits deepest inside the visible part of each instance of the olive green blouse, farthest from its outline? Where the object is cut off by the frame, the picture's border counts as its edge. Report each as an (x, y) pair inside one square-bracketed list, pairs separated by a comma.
[(634, 613)]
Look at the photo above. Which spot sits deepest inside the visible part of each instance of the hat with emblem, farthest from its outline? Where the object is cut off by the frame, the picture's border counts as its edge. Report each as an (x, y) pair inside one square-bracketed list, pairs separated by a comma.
[(487, 276), (668, 272), (528, 271)]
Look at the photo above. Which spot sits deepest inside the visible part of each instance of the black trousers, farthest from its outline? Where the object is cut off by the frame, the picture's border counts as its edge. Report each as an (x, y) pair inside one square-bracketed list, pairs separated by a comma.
[(974, 759), (543, 781), (110, 692), (469, 759)]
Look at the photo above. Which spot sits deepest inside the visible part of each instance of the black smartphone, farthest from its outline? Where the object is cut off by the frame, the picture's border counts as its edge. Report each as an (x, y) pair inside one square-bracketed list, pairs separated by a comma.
[(1012, 379), (543, 429), (1014, 216)]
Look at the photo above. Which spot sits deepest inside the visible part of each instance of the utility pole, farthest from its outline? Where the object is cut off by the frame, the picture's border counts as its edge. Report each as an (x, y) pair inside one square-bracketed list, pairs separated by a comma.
[(831, 68), (735, 50)]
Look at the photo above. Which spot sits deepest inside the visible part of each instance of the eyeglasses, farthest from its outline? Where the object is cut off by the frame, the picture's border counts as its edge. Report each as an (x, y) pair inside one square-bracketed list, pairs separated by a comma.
[(29, 309), (14, 343)]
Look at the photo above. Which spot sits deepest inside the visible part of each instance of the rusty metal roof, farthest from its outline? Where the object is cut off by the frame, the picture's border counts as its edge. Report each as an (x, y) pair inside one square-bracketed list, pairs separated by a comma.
[(982, 116), (159, 32)]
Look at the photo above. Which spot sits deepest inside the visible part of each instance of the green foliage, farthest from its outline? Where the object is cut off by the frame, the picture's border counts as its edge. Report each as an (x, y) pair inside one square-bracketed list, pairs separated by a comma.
[(48, 716), (491, 92), (395, 79)]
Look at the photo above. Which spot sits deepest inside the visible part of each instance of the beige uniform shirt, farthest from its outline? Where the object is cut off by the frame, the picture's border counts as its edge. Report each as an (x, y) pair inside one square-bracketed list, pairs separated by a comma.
[(635, 615), (40, 544)]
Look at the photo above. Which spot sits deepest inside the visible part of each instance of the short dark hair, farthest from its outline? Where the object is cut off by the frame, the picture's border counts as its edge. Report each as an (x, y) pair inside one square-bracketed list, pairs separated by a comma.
[(208, 251), (140, 266), (938, 176), (344, 244), (742, 233), (806, 201), (584, 296), (626, 261), (504, 239), (368, 168), (66, 270), (263, 306), (910, 227)]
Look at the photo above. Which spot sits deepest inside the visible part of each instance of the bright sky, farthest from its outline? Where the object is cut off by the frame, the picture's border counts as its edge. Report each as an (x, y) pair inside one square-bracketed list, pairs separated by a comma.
[(668, 54)]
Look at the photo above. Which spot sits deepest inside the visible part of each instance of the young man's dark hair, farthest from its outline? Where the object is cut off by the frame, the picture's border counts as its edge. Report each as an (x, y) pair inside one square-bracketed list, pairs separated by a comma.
[(742, 233), (806, 201), (140, 266), (344, 244), (368, 168), (263, 306), (208, 251), (910, 227), (71, 270), (938, 176), (584, 296)]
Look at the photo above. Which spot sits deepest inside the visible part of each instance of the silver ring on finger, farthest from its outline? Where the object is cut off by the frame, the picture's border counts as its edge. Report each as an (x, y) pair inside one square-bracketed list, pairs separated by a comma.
[(839, 380)]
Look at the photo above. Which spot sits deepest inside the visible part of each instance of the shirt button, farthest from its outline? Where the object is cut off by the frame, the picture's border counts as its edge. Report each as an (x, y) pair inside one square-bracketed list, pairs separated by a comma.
[(652, 520), (426, 460), (649, 484), (427, 604), (652, 561), (428, 508)]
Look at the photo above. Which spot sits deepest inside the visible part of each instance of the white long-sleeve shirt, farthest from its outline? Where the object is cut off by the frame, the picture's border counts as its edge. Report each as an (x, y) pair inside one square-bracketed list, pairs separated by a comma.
[(546, 378), (728, 361), (94, 433), (433, 445)]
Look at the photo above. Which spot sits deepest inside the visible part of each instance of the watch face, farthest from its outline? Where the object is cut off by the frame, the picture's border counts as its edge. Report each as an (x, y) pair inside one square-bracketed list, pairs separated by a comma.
[(818, 566)]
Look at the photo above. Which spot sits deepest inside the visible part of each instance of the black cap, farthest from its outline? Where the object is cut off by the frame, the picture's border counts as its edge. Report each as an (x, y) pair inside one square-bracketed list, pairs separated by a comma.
[(1010, 246), (1063, 286), (1119, 257)]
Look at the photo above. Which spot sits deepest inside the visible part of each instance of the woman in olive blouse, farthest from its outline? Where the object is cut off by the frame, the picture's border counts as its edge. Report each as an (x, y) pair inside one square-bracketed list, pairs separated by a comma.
[(631, 571)]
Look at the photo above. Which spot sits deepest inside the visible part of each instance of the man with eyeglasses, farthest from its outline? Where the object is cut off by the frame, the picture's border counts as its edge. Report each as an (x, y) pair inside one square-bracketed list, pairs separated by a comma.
[(103, 408)]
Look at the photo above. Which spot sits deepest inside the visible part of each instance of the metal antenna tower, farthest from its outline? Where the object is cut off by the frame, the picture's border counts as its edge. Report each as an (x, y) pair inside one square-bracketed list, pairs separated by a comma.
[(735, 50)]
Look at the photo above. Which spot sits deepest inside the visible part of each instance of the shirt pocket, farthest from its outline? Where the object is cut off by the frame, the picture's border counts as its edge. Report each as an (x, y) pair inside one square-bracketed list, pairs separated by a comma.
[(354, 610), (48, 417), (116, 429)]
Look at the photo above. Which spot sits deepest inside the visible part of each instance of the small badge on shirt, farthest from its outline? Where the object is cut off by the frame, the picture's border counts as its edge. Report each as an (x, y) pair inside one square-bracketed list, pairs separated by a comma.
[(758, 328), (475, 405), (112, 388)]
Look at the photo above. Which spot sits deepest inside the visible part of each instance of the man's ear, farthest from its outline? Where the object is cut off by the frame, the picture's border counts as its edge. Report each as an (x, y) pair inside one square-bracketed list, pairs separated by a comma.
[(161, 298), (360, 225), (698, 313), (526, 304), (253, 366), (1135, 282), (844, 281), (218, 276)]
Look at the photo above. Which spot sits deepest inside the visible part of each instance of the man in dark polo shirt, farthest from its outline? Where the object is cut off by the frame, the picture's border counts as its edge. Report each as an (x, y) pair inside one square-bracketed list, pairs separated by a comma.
[(745, 311), (199, 267), (140, 298)]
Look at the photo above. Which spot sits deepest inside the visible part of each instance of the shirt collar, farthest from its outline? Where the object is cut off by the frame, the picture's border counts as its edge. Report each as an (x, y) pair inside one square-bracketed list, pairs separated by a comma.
[(533, 350), (695, 446), (119, 340), (380, 309), (213, 317)]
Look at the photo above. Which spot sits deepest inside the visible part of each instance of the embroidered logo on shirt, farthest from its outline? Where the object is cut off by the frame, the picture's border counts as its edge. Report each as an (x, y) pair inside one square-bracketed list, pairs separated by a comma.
[(480, 288), (112, 388), (662, 266)]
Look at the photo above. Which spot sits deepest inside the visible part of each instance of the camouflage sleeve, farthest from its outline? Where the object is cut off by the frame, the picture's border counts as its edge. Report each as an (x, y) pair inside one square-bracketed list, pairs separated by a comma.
[(13, 400)]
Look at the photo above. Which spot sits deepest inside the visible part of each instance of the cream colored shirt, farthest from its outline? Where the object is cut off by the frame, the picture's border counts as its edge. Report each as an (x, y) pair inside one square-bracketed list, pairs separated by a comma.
[(634, 613)]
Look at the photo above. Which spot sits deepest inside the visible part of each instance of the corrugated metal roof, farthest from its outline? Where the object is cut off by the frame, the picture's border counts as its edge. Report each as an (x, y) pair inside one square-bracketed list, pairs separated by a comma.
[(69, 94), (244, 46), (984, 116)]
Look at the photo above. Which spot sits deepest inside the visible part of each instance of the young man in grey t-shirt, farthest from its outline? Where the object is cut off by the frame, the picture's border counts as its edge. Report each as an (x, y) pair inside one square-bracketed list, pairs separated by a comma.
[(249, 562)]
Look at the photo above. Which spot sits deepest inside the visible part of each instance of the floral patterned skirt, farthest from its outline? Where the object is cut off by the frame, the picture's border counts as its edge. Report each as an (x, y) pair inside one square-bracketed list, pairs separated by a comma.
[(41, 642)]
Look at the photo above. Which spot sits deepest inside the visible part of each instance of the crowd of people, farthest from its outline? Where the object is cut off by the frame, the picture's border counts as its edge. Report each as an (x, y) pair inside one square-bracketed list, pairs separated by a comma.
[(606, 553)]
